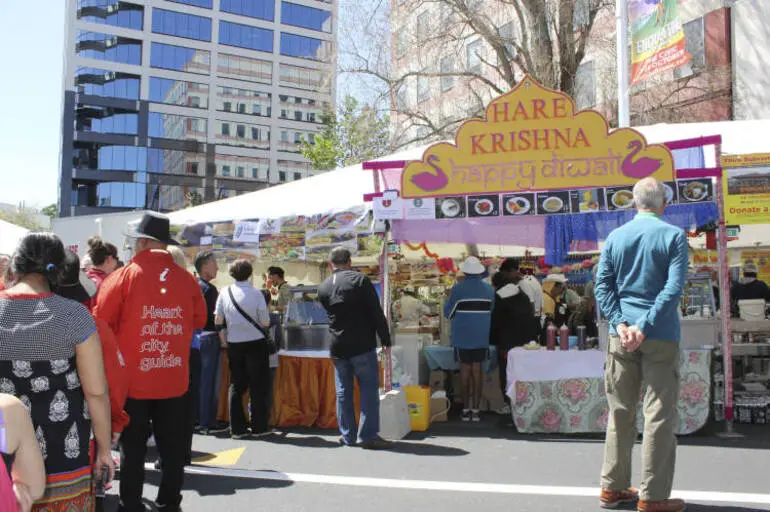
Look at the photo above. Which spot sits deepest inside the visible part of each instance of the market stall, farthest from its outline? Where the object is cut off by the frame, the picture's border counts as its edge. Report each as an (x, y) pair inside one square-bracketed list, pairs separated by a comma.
[(536, 173)]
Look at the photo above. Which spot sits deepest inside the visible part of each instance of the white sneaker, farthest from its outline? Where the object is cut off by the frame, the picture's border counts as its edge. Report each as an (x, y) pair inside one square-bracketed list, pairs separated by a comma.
[(504, 410)]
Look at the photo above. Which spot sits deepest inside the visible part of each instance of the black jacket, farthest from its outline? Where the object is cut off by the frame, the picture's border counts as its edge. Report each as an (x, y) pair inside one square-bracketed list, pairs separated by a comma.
[(513, 322), (210, 294), (747, 291), (355, 315)]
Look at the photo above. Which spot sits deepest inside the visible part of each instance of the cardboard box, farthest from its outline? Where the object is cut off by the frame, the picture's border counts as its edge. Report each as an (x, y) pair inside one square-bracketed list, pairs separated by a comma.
[(438, 409), (436, 380), (491, 394)]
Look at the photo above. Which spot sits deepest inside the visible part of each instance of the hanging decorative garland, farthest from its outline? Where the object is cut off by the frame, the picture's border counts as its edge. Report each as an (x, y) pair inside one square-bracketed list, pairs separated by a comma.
[(445, 265)]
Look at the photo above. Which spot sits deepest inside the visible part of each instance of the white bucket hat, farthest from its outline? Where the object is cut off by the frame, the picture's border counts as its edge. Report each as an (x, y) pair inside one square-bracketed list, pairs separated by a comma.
[(472, 266), (556, 278)]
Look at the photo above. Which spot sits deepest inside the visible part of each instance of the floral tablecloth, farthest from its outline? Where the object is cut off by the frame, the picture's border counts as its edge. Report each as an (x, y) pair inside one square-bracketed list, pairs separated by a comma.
[(578, 405)]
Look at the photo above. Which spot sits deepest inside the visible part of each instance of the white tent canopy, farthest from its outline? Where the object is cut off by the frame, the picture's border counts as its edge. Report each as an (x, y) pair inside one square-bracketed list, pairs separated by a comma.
[(345, 187), (10, 236)]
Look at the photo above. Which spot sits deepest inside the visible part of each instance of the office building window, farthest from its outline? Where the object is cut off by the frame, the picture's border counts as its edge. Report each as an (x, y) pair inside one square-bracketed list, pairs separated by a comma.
[(585, 85), (172, 126), (254, 173), (297, 176), (246, 101), (176, 92), (240, 172), (260, 9), (423, 88), (242, 36), (192, 168), (179, 58), (109, 84), (474, 55), (303, 47), (119, 195), (284, 136), (304, 78), (246, 135), (110, 157), (110, 12), (94, 45), (297, 115), (206, 4), (245, 68), (95, 119), (695, 44), (281, 176), (306, 17), (173, 23), (168, 161), (509, 35), (225, 170), (447, 82)]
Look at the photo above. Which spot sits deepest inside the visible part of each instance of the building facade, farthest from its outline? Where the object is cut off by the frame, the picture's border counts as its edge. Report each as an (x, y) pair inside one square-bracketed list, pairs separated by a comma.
[(725, 79), (172, 103)]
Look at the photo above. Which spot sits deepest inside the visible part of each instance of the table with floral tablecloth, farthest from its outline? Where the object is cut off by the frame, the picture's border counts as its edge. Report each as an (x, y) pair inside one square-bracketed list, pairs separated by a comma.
[(571, 398)]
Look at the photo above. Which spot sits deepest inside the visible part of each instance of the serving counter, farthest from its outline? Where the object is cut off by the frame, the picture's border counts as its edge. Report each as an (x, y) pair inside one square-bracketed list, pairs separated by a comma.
[(563, 391)]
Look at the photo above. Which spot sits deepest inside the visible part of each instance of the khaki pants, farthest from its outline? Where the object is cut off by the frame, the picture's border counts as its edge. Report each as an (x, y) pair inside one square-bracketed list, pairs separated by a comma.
[(655, 363)]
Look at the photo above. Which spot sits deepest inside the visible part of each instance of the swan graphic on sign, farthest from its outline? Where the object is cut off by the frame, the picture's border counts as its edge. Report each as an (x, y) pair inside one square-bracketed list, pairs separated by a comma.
[(534, 139)]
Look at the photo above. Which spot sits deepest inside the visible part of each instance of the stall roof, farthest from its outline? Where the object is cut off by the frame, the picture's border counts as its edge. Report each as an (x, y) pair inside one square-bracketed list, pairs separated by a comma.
[(10, 236), (345, 187)]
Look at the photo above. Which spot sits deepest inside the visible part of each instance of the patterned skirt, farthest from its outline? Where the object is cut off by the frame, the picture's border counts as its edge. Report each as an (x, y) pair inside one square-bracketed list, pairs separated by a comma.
[(67, 492)]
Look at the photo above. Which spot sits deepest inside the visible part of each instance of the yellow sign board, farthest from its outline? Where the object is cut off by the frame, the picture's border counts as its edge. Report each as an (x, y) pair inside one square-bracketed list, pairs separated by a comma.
[(762, 261), (531, 139), (747, 185)]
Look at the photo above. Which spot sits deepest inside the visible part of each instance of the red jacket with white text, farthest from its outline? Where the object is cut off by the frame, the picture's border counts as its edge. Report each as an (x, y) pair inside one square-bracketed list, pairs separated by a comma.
[(153, 306)]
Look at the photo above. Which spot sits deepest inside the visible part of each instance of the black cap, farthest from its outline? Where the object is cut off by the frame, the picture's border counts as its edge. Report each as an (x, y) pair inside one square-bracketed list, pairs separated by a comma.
[(155, 227), (70, 286)]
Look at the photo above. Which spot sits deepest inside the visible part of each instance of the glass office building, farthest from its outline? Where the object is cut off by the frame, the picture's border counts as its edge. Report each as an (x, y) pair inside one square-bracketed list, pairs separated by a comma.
[(172, 103)]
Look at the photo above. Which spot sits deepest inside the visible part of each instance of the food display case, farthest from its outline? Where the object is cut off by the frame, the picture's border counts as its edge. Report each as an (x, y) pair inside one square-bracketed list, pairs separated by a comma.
[(305, 323)]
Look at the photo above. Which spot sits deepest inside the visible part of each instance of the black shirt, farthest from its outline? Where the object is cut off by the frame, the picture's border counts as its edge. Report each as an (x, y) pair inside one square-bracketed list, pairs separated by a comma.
[(754, 290), (210, 295), (355, 315)]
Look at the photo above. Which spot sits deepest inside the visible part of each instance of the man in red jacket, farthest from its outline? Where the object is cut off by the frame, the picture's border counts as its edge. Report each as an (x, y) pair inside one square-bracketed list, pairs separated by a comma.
[(153, 306)]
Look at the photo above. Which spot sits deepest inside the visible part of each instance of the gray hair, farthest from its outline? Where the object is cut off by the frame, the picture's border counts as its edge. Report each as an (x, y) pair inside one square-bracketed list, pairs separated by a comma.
[(649, 194), (340, 256)]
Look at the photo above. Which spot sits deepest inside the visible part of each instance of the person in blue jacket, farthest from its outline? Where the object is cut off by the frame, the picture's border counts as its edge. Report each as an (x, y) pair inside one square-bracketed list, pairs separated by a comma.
[(469, 307)]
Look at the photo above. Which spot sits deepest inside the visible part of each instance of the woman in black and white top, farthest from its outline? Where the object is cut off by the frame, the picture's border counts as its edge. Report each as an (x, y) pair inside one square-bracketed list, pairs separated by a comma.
[(247, 350)]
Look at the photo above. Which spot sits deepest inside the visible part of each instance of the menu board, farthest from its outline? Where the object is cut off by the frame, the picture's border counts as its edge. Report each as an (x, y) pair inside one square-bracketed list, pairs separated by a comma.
[(484, 206), (588, 200), (671, 192), (519, 204), (619, 198), (550, 203), (695, 191), (451, 208)]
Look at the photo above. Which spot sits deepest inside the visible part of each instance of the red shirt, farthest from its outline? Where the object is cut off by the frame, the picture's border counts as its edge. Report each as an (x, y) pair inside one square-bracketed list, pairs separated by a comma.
[(117, 375), (153, 306)]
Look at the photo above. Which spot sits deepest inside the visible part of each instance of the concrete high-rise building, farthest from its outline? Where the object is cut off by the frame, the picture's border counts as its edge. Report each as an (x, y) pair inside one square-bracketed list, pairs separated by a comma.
[(171, 103)]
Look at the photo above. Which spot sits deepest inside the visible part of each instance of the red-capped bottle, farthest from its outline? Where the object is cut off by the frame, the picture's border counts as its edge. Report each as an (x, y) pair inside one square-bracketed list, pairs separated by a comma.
[(564, 337), (550, 337)]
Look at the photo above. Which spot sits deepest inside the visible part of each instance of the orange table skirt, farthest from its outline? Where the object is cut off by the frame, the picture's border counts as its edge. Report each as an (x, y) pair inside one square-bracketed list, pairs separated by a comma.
[(303, 393)]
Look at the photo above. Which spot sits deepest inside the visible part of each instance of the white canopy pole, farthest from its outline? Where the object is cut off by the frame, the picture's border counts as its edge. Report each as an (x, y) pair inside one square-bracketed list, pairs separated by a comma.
[(624, 109)]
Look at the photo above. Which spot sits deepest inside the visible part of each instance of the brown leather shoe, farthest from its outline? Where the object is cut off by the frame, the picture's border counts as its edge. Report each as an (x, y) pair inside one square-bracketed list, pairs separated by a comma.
[(611, 499), (661, 506)]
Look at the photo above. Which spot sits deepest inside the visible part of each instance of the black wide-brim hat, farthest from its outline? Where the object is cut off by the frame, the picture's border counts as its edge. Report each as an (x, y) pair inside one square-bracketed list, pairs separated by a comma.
[(155, 227)]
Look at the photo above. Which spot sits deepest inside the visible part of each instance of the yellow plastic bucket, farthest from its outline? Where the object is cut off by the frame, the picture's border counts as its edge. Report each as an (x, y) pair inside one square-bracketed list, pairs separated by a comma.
[(418, 405)]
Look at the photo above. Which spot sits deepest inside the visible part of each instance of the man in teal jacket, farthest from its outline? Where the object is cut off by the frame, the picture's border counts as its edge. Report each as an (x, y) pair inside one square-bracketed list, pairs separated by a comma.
[(469, 307), (639, 283)]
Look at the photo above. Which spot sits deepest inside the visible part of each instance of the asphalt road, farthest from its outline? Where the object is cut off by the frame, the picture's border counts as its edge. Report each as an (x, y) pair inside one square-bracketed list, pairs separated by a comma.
[(456, 467)]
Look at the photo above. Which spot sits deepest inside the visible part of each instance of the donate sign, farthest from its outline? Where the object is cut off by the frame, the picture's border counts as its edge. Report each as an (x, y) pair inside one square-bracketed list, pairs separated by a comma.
[(532, 139)]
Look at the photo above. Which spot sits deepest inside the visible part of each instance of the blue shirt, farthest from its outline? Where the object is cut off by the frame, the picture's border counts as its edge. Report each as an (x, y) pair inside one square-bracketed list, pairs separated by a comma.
[(469, 307), (641, 276)]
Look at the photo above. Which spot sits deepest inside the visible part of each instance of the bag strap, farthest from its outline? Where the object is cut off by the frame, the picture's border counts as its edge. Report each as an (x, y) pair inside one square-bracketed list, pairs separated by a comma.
[(3, 441), (253, 322)]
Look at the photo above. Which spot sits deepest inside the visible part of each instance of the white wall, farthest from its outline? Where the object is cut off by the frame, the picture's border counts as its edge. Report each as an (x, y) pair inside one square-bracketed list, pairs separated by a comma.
[(75, 231), (751, 54)]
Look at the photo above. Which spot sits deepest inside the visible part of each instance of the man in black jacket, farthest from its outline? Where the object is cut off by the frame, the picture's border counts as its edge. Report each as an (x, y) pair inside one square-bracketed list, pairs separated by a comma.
[(355, 320)]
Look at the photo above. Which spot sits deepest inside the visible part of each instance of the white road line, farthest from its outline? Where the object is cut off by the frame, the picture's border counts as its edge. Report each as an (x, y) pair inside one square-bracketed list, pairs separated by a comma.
[(429, 485)]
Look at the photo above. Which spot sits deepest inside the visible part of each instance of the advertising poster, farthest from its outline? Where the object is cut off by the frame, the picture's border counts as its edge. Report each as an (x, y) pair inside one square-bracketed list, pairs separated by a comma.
[(747, 189), (519, 204), (336, 229), (657, 38)]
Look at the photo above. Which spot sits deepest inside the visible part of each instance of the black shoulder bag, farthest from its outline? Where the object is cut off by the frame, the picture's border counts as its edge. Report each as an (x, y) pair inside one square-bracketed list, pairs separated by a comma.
[(272, 348)]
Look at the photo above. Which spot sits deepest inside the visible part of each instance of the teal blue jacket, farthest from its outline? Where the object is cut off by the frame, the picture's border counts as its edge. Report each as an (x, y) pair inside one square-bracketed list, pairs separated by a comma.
[(641, 276)]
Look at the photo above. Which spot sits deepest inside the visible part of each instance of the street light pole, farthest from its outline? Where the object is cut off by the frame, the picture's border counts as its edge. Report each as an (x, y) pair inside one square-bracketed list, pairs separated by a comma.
[(621, 18)]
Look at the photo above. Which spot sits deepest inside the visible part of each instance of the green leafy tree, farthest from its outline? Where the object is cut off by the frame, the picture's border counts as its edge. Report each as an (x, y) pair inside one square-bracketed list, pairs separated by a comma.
[(24, 217), (50, 210), (354, 134)]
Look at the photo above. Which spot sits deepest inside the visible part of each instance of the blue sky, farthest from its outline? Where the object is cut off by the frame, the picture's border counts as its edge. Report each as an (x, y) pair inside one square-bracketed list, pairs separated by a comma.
[(30, 100)]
